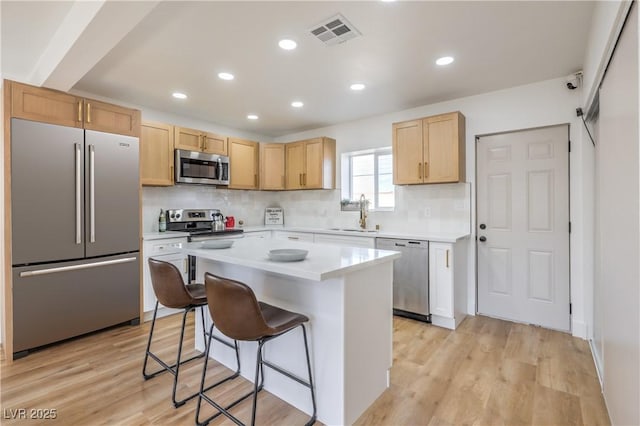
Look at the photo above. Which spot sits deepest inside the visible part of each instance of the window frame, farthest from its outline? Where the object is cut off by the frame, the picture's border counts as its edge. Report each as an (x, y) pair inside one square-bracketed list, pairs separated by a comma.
[(377, 152)]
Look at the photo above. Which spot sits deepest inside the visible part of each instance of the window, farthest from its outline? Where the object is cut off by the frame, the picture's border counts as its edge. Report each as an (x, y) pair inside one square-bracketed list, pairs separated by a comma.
[(370, 173)]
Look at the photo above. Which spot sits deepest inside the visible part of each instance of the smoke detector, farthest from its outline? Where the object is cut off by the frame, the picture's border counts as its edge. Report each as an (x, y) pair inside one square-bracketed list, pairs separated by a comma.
[(334, 30)]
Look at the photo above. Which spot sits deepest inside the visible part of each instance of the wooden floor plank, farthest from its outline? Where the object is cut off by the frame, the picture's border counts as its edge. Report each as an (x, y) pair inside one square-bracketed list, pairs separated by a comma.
[(488, 372)]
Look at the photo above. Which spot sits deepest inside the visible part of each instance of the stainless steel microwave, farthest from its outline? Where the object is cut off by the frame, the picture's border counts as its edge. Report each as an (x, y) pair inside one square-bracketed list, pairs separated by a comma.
[(201, 168)]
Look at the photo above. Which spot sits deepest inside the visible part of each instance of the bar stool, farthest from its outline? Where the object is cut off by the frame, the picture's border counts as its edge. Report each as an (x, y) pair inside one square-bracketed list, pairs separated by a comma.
[(238, 315), (172, 292)]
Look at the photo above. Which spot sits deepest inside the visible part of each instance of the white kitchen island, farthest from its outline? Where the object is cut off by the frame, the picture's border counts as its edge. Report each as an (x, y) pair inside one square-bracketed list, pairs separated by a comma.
[(347, 295)]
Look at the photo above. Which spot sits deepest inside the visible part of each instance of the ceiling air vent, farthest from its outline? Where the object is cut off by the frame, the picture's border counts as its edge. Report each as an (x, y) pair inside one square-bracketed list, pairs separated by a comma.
[(334, 30)]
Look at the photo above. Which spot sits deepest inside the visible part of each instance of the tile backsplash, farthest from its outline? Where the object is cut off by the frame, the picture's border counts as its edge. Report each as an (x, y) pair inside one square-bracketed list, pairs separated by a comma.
[(419, 208)]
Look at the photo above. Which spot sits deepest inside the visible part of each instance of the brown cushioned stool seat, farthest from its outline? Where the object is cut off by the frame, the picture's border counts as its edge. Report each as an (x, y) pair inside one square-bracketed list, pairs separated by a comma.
[(237, 314), (171, 291)]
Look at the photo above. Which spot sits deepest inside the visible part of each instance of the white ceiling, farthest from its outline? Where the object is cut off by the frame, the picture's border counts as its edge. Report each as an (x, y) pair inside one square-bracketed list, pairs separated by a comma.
[(181, 46)]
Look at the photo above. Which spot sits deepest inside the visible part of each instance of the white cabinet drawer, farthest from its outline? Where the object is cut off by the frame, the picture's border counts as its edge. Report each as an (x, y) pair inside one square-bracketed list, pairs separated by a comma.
[(343, 240), (257, 234), (157, 248), (293, 236)]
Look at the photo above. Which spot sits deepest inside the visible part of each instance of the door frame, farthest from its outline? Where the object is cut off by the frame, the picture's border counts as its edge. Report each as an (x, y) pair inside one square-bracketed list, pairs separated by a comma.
[(474, 225)]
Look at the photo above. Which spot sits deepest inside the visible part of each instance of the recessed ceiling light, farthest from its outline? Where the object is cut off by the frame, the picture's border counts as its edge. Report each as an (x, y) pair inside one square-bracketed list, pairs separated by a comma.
[(287, 44), (297, 104), (179, 95), (252, 117), (388, 1), (445, 60), (357, 86), (225, 76)]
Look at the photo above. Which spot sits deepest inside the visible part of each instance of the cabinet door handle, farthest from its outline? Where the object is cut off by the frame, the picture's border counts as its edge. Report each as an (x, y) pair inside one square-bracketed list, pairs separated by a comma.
[(293, 238), (88, 112), (204, 143), (304, 179), (78, 193), (92, 192), (300, 178), (420, 170), (426, 170), (447, 256), (79, 110), (171, 173)]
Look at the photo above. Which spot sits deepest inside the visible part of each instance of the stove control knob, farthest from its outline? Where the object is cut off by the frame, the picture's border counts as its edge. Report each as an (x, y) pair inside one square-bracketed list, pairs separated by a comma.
[(177, 215), (172, 215)]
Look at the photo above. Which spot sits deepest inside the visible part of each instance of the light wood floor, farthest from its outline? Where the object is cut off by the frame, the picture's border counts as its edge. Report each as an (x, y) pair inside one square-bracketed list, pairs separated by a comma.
[(487, 372)]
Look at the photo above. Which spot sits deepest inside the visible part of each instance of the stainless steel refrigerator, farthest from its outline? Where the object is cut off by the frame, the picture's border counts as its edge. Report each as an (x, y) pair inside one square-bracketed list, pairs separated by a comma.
[(75, 232)]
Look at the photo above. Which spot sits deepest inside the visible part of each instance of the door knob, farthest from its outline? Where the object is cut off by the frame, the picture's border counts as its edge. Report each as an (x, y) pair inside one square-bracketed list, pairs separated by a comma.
[(482, 239), (483, 226)]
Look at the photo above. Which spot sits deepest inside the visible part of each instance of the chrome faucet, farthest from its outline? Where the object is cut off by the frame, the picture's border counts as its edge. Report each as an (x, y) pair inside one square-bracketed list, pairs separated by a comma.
[(363, 212)]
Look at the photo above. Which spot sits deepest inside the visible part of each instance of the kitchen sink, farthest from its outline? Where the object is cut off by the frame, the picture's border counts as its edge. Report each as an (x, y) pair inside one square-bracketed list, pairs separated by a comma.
[(353, 230)]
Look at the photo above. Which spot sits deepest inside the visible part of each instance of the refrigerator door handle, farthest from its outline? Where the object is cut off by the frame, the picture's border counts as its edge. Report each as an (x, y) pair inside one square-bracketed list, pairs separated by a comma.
[(78, 194), (92, 192), (76, 267)]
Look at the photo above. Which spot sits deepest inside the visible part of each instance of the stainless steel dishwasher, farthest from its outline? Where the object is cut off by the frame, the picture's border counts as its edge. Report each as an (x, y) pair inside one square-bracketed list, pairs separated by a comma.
[(410, 277)]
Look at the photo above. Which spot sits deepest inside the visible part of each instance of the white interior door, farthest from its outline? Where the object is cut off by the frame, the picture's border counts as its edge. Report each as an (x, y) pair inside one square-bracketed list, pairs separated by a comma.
[(523, 226)]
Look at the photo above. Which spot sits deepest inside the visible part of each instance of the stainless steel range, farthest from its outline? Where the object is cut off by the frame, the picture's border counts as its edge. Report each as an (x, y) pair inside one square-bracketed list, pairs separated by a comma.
[(200, 225)]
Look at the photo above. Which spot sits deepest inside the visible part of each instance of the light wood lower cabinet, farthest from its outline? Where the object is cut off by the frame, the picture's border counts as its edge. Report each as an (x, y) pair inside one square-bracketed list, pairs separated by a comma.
[(156, 154), (272, 166), (429, 150), (311, 164), (243, 164), (51, 106), (447, 283)]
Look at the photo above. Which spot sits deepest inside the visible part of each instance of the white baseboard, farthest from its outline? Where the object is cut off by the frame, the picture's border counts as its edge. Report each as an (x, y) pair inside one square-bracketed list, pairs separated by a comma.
[(579, 329), (597, 362)]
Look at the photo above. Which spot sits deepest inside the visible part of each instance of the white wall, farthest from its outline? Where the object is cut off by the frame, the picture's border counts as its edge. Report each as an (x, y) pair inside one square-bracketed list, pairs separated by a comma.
[(534, 105), (618, 239), (606, 24)]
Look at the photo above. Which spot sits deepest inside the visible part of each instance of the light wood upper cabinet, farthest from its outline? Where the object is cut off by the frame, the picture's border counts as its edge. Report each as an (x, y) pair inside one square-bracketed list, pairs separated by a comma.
[(311, 164), (272, 166), (243, 164), (188, 139), (294, 164), (51, 106), (156, 154), (105, 117), (214, 144), (429, 150), (44, 105), (197, 140)]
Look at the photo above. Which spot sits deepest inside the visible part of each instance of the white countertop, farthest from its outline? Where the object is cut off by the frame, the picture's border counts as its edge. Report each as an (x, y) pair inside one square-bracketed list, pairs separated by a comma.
[(320, 264), (148, 236), (443, 237)]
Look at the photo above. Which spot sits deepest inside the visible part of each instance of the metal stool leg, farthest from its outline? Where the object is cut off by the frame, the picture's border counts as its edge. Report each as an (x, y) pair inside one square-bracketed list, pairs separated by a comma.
[(175, 378), (258, 382), (313, 395), (201, 394), (147, 352), (174, 369)]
